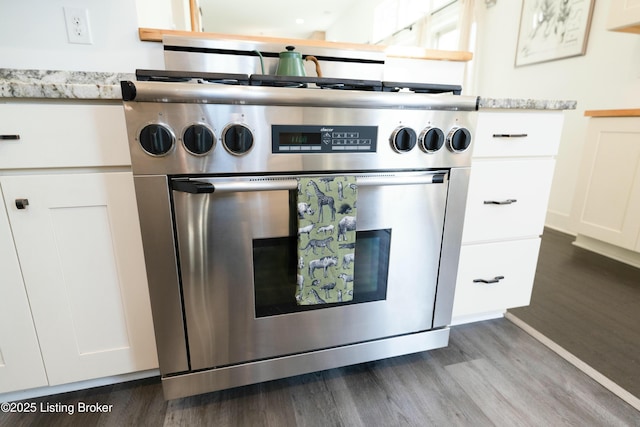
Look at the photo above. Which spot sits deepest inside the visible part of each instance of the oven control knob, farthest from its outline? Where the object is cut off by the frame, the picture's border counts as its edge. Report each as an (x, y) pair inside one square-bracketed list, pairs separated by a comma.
[(403, 139), (237, 139), (458, 139), (156, 139), (198, 139), (431, 139)]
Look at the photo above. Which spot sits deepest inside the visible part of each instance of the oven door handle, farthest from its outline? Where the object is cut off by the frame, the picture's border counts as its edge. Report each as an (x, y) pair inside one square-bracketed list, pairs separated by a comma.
[(192, 186), (205, 186)]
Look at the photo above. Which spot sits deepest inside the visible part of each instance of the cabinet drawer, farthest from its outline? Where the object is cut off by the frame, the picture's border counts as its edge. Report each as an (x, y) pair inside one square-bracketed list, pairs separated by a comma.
[(514, 261), (63, 135), (514, 134), (507, 199)]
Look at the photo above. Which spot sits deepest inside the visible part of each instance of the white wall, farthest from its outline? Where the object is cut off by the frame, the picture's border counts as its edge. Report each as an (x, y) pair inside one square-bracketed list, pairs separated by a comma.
[(33, 36), (156, 14), (607, 77), (358, 30)]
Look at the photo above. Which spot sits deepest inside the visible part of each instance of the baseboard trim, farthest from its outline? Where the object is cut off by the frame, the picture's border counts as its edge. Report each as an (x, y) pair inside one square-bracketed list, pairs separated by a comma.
[(559, 222), (461, 320), (559, 230), (588, 370), (610, 251), (80, 385)]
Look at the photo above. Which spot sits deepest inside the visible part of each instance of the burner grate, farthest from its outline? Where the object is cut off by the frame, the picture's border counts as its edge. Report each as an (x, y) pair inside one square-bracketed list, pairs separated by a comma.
[(320, 82), (279, 81), (421, 87), (331, 83), (188, 76)]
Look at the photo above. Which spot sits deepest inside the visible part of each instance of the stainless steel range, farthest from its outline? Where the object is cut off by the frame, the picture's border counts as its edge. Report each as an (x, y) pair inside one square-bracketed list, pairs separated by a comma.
[(226, 170)]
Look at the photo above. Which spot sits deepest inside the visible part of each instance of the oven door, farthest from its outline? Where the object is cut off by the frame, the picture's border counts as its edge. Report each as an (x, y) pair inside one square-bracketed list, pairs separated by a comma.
[(237, 242)]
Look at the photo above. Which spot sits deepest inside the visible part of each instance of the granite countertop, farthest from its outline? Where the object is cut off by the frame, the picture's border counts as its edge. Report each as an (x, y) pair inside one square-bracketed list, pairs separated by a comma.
[(53, 84), (525, 104)]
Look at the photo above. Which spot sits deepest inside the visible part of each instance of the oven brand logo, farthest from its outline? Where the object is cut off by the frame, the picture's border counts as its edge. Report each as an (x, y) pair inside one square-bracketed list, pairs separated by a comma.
[(326, 129)]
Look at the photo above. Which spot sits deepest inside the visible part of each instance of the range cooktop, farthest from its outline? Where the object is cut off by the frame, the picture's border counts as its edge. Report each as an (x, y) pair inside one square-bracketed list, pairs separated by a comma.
[(294, 81)]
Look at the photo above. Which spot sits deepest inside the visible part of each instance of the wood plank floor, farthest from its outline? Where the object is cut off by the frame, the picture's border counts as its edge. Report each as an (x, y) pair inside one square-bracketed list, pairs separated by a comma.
[(491, 374), (590, 306)]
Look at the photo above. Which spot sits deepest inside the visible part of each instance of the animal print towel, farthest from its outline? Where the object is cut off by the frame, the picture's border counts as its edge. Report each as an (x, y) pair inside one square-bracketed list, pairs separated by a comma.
[(326, 239)]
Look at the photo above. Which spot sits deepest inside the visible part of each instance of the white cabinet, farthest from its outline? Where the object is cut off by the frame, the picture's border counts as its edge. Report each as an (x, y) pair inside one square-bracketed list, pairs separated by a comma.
[(607, 204), (493, 283), (624, 15), (505, 199), (510, 182), (57, 135), (79, 246), (21, 365), (74, 303), (517, 134)]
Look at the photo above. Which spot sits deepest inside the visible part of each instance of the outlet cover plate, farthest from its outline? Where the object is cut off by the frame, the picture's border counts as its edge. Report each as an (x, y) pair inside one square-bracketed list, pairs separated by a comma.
[(78, 28)]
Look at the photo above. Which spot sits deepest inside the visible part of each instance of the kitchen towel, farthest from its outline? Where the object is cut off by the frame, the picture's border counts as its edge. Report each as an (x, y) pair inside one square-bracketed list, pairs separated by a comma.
[(326, 239)]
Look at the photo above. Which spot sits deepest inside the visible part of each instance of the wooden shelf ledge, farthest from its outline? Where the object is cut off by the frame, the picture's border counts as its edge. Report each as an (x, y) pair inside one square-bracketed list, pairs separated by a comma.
[(155, 35), (631, 112)]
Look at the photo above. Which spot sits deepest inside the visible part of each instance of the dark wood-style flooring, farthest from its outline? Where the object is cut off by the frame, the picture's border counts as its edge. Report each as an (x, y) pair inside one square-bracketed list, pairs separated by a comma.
[(590, 306), (491, 374)]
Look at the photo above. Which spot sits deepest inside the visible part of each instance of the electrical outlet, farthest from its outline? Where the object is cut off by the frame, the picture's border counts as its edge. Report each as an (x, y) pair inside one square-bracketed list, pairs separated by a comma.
[(78, 29)]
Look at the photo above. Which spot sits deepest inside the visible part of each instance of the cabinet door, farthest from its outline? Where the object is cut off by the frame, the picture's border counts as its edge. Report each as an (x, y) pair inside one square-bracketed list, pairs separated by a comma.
[(608, 196), (20, 361), (78, 241)]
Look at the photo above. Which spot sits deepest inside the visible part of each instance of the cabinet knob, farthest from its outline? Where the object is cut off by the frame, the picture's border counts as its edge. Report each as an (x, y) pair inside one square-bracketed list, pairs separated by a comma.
[(22, 203)]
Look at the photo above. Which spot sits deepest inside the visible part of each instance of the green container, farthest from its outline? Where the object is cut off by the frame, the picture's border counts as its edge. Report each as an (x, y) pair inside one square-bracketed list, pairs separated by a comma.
[(290, 63)]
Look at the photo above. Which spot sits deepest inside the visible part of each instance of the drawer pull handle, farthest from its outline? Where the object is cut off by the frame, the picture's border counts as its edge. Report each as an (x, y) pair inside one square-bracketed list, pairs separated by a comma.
[(494, 280), (510, 135), (22, 203), (14, 137), (500, 202)]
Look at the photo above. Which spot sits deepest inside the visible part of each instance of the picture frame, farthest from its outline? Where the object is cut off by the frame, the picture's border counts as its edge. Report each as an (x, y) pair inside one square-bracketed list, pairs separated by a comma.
[(553, 29)]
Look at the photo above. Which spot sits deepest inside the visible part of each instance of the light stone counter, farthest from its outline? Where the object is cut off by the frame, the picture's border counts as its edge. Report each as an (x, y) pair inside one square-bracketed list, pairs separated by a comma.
[(525, 104), (52, 84)]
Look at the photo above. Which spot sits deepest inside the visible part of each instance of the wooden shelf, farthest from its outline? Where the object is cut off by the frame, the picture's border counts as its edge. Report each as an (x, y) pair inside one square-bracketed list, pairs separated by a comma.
[(155, 35), (634, 29), (632, 112)]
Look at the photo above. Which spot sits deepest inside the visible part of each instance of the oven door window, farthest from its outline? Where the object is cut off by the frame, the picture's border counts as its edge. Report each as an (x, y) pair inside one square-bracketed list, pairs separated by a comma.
[(275, 265)]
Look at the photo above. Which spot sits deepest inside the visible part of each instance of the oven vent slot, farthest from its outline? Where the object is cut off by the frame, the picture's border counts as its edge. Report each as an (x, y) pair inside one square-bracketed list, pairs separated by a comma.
[(279, 178), (287, 178)]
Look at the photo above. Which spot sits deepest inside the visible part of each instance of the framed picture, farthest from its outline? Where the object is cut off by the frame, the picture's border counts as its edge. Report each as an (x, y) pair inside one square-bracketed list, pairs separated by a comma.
[(553, 29)]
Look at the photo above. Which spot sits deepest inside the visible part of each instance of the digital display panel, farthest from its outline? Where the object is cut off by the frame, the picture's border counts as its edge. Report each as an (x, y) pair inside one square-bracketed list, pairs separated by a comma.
[(300, 138), (323, 139)]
